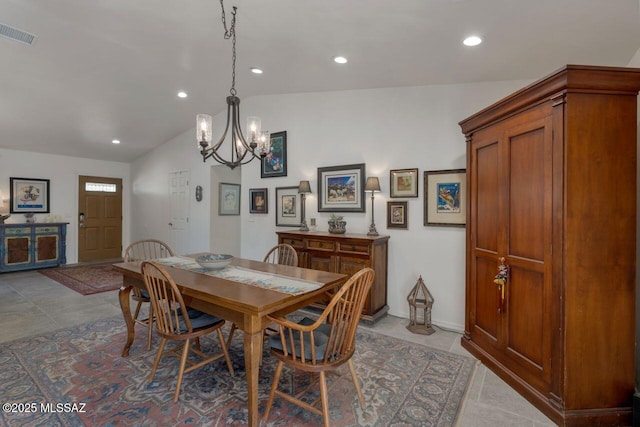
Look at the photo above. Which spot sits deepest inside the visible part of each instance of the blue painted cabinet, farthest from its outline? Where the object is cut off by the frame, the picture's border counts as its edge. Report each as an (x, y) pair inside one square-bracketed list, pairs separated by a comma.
[(30, 246)]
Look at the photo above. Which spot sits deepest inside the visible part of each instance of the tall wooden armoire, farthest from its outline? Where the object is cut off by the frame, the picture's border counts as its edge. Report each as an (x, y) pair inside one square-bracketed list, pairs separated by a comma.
[(551, 172)]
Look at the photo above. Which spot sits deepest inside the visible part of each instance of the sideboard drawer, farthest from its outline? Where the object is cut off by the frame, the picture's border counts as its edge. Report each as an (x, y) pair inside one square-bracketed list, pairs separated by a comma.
[(354, 248), (321, 245), (296, 243)]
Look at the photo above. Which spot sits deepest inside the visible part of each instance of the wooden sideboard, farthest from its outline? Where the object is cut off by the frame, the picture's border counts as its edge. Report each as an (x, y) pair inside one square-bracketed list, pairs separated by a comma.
[(30, 246), (346, 254)]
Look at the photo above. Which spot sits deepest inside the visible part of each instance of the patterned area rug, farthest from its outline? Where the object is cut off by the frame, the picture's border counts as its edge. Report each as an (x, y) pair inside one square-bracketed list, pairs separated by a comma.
[(76, 377), (86, 279)]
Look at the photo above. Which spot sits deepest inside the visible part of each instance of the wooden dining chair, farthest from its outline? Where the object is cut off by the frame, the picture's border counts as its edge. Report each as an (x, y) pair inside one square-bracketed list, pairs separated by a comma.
[(143, 250), (283, 254), (321, 346), (177, 322)]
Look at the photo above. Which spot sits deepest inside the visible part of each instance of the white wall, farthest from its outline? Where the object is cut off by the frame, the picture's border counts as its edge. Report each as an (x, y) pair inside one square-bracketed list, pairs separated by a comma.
[(63, 173), (411, 127)]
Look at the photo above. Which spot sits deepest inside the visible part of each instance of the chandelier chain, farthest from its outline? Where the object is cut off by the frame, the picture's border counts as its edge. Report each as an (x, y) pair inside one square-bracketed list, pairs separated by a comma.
[(230, 33)]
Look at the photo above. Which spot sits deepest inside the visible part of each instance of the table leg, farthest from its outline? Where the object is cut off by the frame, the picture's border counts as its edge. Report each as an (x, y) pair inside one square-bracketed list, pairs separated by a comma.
[(125, 301), (252, 350)]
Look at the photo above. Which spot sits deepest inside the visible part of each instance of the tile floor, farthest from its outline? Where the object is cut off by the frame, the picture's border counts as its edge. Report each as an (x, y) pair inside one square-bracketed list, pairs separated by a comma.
[(32, 304)]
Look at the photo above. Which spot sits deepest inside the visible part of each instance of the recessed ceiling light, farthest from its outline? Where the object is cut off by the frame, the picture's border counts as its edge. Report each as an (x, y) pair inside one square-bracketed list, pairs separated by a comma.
[(116, 141), (256, 70), (182, 94), (340, 59), (472, 41)]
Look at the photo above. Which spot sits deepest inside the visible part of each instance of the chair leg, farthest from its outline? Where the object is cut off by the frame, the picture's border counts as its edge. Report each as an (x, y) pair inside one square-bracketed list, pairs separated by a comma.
[(150, 327), (274, 387), (225, 351), (198, 344), (158, 357), (183, 363), (137, 312), (356, 383), (231, 332), (324, 399)]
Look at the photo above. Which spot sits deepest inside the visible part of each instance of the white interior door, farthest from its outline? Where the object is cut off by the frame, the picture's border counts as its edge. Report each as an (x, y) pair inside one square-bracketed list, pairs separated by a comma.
[(179, 211)]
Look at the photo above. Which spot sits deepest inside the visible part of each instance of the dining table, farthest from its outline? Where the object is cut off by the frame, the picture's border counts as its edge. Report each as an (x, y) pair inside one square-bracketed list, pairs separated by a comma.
[(244, 293)]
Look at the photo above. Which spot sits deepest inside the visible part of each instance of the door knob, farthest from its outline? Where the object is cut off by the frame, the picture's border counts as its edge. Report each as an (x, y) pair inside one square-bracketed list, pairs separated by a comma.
[(171, 224)]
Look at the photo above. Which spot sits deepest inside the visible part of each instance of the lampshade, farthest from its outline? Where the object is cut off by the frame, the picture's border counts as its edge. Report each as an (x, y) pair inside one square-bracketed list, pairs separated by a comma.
[(372, 184), (304, 187)]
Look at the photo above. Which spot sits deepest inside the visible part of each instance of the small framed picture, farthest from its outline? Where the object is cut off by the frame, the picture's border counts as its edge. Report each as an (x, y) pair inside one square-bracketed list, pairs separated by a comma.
[(341, 188), (229, 199), (29, 195), (445, 196), (397, 215), (258, 201), (287, 207), (275, 162), (403, 182)]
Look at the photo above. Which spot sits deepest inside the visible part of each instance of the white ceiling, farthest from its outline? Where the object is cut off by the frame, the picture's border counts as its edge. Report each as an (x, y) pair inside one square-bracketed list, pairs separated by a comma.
[(105, 69)]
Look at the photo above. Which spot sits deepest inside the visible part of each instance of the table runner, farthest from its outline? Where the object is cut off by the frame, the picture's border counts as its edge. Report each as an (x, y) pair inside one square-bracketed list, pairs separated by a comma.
[(274, 282)]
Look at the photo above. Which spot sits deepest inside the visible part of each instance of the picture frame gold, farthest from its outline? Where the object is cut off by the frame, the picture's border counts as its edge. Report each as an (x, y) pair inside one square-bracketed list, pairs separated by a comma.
[(403, 183), (445, 198)]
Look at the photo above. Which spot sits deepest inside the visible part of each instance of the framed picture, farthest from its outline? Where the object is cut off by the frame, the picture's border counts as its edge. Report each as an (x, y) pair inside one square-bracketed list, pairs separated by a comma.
[(229, 199), (258, 200), (397, 215), (403, 182), (275, 163), (445, 197), (29, 195), (287, 207), (341, 188)]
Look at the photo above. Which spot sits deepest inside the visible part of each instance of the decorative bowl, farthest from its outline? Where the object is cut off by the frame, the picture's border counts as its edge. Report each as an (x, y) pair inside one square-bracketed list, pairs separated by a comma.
[(214, 261)]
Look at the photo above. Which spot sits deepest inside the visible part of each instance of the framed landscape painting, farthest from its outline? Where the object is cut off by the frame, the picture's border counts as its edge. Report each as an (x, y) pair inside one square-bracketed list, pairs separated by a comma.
[(341, 188), (29, 195), (445, 195), (275, 162)]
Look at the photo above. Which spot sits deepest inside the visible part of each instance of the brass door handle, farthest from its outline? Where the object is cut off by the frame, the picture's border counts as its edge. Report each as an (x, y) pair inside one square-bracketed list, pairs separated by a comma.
[(501, 280)]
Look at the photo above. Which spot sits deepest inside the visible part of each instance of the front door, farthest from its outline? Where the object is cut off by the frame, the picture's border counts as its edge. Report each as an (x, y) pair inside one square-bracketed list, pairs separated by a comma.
[(99, 218)]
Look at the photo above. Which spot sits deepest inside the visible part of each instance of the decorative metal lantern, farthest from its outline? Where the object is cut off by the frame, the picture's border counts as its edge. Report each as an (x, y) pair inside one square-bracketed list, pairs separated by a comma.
[(420, 302)]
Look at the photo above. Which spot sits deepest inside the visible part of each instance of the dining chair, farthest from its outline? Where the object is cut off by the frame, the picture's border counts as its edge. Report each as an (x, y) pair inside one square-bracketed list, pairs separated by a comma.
[(283, 254), (177, 322), (321, 346), (143, 250)]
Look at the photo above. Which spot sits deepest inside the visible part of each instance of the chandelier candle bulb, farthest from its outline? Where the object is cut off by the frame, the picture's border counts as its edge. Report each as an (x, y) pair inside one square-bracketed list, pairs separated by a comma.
[(203, 133)]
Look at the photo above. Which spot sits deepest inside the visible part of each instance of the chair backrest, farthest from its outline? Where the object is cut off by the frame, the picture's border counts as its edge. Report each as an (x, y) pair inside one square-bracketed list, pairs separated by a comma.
[(143, 250), (283, 254), (167, 302), (344, 312), (335, 339)]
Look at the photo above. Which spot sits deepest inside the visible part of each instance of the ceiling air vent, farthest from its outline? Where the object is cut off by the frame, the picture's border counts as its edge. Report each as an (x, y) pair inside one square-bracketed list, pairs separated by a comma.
[(16, 34)]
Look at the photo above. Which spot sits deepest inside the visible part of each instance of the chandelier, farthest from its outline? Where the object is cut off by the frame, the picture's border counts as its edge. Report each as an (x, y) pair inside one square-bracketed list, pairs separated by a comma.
[(257, 144)]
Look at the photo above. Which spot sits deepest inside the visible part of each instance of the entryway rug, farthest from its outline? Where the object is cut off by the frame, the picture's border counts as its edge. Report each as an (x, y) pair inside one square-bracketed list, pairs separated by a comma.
[(86, 279), (76, 377)]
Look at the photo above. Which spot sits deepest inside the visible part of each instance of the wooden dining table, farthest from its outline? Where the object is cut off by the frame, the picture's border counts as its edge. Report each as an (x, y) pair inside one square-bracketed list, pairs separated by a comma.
[(244, 304)]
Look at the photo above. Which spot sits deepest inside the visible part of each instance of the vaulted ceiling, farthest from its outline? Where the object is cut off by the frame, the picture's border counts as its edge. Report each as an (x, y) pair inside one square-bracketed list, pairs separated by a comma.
[(106, 69)]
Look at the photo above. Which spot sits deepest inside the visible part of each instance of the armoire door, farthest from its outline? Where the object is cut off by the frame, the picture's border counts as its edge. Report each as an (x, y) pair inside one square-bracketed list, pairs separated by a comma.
[(511, 223)]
